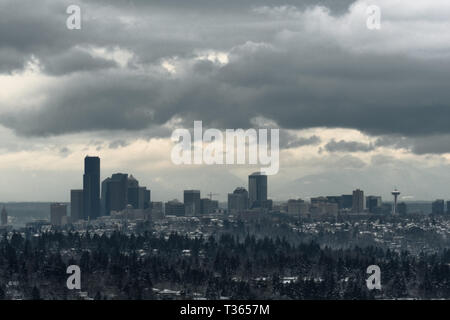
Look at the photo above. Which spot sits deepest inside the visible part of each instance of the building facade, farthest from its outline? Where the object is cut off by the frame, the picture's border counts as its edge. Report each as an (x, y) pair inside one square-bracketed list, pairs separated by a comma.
[(76, 205), (192, 202), (91, 188), (257, 189)]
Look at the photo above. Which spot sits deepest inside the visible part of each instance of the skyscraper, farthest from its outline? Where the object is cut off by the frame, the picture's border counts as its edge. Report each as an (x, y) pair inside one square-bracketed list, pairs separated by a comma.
[(358, 201), (91, 188), (76, 204), (57, 212), (192, 203), (174, 208), (133, 192), (4, 217), (257, 189), (238, 200), (114, 193), (373, 203)]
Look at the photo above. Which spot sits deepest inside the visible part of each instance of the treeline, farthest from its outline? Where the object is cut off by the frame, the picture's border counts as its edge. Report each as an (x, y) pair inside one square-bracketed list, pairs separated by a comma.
[(140, 266)]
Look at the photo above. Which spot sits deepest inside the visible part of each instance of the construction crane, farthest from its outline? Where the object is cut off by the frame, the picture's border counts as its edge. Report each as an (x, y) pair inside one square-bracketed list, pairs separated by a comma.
[(211, 195)]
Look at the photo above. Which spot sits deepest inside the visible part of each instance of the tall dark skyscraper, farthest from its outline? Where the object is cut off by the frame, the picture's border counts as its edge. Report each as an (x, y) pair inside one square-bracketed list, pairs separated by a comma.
[(192, 202), (257, 189), (76, 204), (4, 217), (91, 188)]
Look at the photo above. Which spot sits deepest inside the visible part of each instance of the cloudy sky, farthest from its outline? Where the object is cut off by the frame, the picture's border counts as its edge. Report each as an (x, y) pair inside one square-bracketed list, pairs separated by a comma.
[(355, 107)]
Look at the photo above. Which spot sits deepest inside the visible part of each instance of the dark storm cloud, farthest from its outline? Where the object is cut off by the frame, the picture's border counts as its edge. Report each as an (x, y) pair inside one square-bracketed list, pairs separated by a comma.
[(434, 144), (74, 61), (348, 146), (336, 6), (276, 71)]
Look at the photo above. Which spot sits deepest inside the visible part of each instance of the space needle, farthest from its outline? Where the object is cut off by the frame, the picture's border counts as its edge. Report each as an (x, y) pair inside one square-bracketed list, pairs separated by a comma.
[(395, 193)]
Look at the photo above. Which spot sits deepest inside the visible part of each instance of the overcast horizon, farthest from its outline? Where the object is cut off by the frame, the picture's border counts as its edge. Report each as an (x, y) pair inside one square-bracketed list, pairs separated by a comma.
[(356, 108)]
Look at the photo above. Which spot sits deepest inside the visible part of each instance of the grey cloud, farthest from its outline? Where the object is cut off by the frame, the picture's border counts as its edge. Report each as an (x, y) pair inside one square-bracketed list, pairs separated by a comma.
[(118, 144), (432, 144), (75, 61), (348, 146), (294, 142), (301, 82)]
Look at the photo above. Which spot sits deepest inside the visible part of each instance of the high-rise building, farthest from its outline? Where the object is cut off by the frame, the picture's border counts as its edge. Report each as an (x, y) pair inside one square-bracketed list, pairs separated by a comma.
[(297, 207), (448, 207), (157, 211), (148, 199), (114, 193), (4, 216), (133, 192), (322, 206), (238, 200), (76, 205), (192, 203), (208, 206), (91, 188), (138, 197), (142, 193), (438, 207), (358, 201), (257, 189), (57, 212), (373, 203), (346, 201), (174, 208)]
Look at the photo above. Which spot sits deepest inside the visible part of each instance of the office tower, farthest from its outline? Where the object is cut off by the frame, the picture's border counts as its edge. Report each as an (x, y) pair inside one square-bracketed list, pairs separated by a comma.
[(103, 201), (322, 206), (76, 205), (358, 201), (148, 199), (142, 191), (174, 208), (373, 204), (57, 212), (346, 201), (208, 206), (297, 207), (437, 207), (4, 217), (133, 192), (448, 207), (91, 188), (157, 211), (191, 200), (395, 193), (114, 193), (257, 189), (335, 199), (238, 200)]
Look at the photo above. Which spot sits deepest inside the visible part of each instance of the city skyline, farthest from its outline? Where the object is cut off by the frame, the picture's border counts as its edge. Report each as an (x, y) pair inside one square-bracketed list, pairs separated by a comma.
[(221, 197)]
